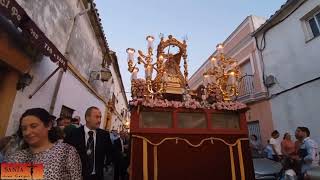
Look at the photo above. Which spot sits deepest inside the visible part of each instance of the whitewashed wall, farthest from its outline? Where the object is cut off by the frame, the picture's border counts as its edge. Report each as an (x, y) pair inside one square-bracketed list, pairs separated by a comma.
[(117, 120), (299, 107), (42, 98), (287, 55), (293, 61), (75, 96)]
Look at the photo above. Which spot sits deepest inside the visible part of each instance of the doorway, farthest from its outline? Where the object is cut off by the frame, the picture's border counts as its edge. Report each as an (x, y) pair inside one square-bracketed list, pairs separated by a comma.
[(254, 129)]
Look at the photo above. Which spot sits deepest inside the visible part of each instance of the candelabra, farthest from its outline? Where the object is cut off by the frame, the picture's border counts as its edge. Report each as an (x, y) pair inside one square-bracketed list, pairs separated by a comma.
[(222, 76), (152, 87)]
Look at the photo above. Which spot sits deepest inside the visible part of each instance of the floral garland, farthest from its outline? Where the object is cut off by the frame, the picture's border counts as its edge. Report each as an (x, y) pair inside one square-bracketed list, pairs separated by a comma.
[(190, 104), (139, 87), (216, 94)]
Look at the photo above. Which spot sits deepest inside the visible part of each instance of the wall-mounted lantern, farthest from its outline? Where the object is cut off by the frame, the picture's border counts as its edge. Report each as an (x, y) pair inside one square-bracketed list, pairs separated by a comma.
[(104, 75)]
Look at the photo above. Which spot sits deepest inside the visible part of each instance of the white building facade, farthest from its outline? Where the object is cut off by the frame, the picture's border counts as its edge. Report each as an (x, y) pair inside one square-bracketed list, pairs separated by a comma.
[(119, 114), (289, 44)]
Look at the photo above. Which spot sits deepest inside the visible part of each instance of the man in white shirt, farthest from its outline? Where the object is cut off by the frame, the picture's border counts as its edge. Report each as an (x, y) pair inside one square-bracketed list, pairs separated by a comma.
[(276, 145)]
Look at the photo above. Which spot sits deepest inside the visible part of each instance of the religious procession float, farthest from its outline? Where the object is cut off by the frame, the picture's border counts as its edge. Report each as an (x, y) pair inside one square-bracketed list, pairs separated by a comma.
[(184, 134)]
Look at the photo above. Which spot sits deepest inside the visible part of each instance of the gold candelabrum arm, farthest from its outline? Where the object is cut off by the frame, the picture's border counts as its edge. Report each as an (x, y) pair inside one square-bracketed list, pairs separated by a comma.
[(226, 73), (158, 66), (131, 66), (158, 85), (185, 65), (228, 90), (161, 90), (147, 60)]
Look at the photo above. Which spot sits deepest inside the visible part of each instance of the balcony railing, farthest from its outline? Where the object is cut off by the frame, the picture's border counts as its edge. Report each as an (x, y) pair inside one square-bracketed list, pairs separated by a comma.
[(246, 86)]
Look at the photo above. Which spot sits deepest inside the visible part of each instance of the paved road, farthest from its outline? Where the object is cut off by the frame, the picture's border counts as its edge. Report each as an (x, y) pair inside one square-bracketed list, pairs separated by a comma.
[(109, 174)]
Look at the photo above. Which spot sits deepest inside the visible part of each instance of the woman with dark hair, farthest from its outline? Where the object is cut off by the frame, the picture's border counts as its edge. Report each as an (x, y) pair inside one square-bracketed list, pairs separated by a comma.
[(61, 161)]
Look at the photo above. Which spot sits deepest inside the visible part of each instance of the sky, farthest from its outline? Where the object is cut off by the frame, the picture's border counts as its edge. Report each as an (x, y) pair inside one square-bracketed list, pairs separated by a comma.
[(206, 23)]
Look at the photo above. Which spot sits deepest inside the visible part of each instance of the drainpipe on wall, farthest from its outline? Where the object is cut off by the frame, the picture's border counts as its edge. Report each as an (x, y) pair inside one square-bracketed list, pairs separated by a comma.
[(59, 80)]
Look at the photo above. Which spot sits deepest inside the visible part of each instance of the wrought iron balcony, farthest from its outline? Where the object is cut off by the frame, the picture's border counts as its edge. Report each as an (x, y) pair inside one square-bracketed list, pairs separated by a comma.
[(246, 88)]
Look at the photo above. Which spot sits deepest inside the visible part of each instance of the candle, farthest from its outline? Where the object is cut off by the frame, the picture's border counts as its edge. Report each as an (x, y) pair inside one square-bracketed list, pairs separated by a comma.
[(220, 48), (134, 74), (233, 78), (130, 52), (213, 62), (161, 58), (130, 57), (206, 80), (150, 40), (160, 61)]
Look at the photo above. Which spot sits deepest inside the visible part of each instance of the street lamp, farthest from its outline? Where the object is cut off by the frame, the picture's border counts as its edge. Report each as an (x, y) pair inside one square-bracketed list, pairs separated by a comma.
[(104, 75)]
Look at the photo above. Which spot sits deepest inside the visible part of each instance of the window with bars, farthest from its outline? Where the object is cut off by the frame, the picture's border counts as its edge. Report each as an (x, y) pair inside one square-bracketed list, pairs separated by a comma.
[(313, 25)]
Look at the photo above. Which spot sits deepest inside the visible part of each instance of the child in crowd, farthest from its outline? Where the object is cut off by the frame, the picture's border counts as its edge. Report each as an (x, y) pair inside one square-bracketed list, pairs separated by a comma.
[(268, 151)]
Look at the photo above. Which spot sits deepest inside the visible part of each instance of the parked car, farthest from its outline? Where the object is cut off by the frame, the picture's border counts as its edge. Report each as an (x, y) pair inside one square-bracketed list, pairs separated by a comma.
[(314, 173), (266, 169)]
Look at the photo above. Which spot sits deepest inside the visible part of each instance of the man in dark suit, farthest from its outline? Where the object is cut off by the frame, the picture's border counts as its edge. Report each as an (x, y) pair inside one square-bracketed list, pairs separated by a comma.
[(93, 145), (121, 157)]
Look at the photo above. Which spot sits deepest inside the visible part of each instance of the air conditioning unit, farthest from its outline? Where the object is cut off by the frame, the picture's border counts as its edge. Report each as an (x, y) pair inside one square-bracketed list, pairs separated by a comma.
[(270, 81)]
